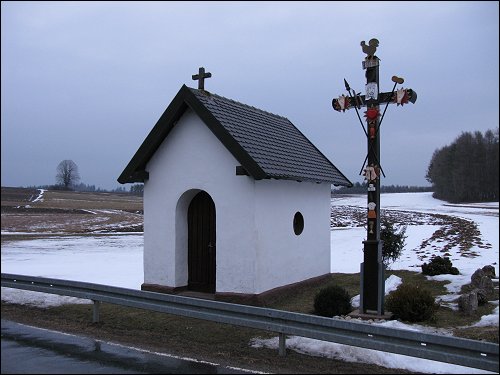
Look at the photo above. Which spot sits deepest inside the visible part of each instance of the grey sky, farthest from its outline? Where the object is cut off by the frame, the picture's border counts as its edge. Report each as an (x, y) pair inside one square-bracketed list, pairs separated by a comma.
[(87, 81)]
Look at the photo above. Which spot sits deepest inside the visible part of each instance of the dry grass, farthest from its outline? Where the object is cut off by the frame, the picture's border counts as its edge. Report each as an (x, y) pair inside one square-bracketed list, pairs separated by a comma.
[(188, 337), (91, 201), (70, 200), (69, 212)]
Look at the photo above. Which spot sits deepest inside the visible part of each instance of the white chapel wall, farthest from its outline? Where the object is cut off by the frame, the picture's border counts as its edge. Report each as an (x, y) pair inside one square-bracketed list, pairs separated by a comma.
[(257, 249), (282, 256), (191, 159)]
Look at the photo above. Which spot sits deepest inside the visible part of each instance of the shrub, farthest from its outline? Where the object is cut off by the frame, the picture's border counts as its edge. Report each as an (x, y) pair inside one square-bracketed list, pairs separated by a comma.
[(439, 266), (393, 241), (411, 303), (332, 300)]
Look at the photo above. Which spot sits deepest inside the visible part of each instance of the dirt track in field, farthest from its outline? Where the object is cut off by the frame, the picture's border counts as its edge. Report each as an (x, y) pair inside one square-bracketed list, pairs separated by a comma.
[(33, 211)]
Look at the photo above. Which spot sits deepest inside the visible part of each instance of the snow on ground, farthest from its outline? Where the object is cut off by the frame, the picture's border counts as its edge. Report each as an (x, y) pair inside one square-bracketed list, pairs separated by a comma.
[(110, 260), (347, 247), (354, 354), (347, 253), (40, 196), (391, 284), (116, 259), (106, 259)]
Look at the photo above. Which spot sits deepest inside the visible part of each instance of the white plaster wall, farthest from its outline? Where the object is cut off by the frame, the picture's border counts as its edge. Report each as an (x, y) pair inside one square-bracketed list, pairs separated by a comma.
[(282, 256), (257, 249), (191, 159)]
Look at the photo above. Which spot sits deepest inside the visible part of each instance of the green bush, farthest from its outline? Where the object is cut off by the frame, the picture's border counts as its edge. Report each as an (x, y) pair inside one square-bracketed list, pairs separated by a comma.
[(331, 301), (393, 241), (411, 303), (439, 266)]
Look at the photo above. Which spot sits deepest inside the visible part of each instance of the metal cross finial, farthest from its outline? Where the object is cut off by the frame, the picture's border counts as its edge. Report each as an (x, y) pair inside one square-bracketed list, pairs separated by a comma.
[(201, 78)]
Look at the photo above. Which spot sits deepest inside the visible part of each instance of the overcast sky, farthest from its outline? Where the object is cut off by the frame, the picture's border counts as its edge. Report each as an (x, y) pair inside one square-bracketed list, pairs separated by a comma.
[(87, 81)]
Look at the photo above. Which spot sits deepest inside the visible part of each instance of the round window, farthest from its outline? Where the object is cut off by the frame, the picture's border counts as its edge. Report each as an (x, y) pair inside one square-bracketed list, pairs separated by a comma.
[(298, 223)]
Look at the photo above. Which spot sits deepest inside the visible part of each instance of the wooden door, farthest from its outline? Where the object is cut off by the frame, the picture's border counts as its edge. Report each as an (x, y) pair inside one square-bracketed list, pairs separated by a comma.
[(201, 243)]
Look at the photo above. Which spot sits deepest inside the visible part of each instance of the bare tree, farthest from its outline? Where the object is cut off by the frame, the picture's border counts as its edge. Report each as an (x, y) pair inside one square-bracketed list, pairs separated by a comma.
[(67, 174)]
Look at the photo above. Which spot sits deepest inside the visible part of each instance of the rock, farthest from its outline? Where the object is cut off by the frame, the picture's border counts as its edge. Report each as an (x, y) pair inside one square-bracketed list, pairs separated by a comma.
[(486, 284), (468, 303), (482, 297), (489, 271), (476, 276), (480, 280)]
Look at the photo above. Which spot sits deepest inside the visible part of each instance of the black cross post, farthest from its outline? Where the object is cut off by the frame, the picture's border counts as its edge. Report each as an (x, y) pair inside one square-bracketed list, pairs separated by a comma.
[(372, 269), (201, 78)]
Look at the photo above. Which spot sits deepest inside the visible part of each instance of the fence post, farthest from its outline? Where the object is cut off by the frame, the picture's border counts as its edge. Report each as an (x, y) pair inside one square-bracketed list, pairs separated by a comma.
[(282, 344), (95, 312)]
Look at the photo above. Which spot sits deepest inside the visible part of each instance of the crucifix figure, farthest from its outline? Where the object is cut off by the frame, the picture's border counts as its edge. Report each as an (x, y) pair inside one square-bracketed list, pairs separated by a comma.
[(372, 268), (201, 78)]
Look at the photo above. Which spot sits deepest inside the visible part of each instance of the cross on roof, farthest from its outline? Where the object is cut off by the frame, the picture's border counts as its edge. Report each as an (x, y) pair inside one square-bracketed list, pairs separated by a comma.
[(201, 78)]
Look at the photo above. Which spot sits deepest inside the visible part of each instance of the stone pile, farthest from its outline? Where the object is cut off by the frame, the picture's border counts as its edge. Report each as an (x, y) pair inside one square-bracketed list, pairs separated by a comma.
[(482, 290)]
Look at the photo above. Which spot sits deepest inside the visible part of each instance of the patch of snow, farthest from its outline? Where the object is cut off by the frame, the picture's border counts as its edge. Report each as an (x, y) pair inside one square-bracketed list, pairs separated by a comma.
[(40, 196), (354, 354), (488, 320), (391, 284)]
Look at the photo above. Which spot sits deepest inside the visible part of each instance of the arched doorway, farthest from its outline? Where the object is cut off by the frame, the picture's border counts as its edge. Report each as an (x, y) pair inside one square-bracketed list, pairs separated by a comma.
[(201, 243)]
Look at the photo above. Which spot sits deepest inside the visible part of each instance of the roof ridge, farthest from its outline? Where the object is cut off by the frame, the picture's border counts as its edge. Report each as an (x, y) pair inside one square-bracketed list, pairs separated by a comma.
[(237, 102), (267, 145)]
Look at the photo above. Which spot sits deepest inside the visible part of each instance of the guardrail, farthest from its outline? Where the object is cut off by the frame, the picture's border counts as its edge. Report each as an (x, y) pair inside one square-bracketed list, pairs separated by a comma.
[(465, 352)]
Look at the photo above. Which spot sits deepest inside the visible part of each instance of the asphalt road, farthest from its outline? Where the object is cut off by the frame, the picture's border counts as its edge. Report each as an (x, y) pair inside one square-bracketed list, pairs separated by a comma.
[(32, 350)]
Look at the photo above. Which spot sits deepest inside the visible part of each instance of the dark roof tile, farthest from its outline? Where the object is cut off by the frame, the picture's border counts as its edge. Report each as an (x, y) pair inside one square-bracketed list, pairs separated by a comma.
[(277, 146)]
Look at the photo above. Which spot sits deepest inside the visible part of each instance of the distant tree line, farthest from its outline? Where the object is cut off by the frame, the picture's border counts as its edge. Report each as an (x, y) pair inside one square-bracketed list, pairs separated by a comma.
[(360, 188), (467, 170), (137, 189)]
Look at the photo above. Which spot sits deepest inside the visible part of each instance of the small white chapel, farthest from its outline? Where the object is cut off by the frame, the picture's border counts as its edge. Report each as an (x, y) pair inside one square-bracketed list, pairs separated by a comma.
[(236, 199)]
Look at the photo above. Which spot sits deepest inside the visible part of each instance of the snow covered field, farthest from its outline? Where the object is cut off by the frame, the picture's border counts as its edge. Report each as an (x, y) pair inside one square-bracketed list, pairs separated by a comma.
[(116, 259), (347, 248)]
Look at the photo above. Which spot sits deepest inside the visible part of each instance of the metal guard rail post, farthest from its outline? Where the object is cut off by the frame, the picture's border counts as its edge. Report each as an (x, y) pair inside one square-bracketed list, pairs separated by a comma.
[(464, 352)]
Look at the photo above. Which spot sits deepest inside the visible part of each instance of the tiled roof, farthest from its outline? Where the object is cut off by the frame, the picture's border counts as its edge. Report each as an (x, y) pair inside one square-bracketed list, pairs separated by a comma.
[(266, 145)]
